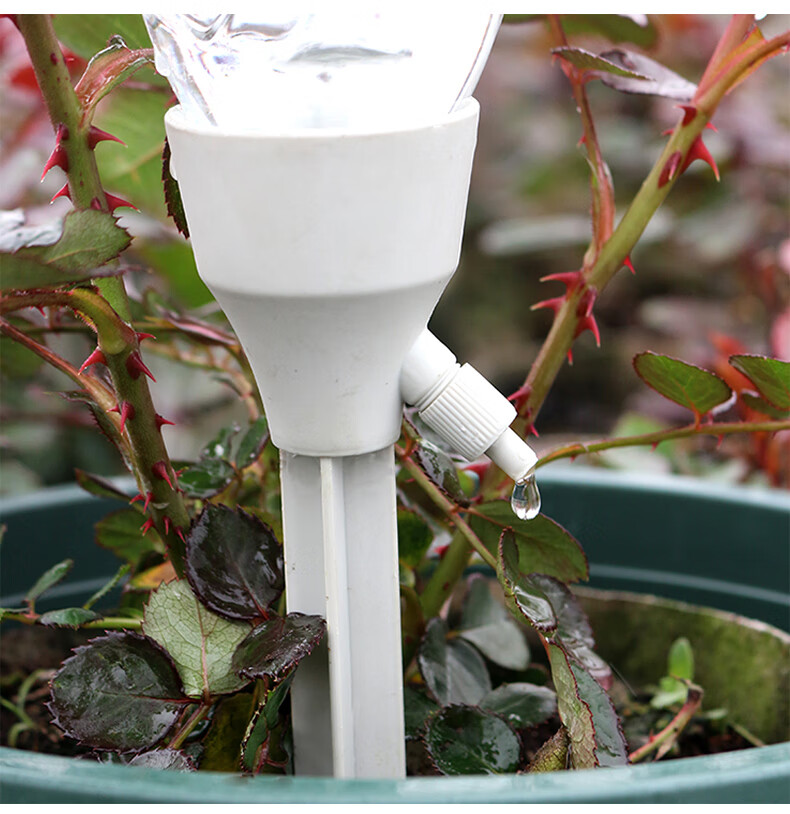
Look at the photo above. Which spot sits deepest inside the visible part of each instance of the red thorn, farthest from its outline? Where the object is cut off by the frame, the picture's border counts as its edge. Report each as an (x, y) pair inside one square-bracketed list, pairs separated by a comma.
[(95, 135), (670, 169), (180, 472), (519, 398), (96, 358), (58, 158), (582, 140), (699, 150), (570, 279), (584, 310), (689, 114), (180, 533), (96, 204), (148, 498), (532, 430), (588, 323), (141, 336), (628, 264), (570, 356), (136, 498), (160, 422), (654, 445), (667, 132), (167, 524), (554, 304), (441, 550), (63, 192), (114, 202), (719, 439), (135, 366), (147, 526), (160, 470), (711, 126), (127, 413)]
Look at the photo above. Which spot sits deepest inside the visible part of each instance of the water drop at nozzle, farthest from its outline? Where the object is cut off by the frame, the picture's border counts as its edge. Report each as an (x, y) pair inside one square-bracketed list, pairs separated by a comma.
[(525, 500)]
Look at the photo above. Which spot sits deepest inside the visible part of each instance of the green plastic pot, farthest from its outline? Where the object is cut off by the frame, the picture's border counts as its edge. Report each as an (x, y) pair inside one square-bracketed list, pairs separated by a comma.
[(706, 544)]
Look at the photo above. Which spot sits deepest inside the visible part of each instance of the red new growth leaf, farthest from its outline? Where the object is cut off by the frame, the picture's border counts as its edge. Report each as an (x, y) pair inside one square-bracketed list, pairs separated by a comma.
[(670, 169), (96, 358), (699, 150), (135, 366)]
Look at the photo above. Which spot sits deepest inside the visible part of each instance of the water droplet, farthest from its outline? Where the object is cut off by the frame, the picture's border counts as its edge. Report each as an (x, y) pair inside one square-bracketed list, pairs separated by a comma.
[(525, 501)]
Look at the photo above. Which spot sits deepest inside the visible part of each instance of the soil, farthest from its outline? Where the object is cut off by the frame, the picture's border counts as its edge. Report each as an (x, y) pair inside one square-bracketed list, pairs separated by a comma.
[(27, 649)]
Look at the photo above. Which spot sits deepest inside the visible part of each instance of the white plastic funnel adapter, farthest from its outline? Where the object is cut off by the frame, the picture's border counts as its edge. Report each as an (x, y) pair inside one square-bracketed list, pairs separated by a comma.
[(328, 251)]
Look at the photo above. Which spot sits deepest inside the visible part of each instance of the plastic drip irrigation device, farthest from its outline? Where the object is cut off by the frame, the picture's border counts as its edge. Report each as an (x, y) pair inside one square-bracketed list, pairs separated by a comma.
[(324, 164)]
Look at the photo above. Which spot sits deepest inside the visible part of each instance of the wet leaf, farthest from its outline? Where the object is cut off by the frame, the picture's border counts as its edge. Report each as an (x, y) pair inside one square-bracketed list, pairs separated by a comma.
[(107, 69), (200, 642), (172, 759), (221, 445), (256, 746), (659, 81), (544, 546), (68, 617), (439, 467), (687, 385), (88, 239), (48, 579), (234, 563), (275, 647), (121, 691), (120, 533), (206, 478), (573, 631), (414, 538), (253, 442), (771, 377), (587, 61), (521, 704), (487, 625), (588, 714), (635, 28), (465, 740), (453, 671), (173, 200), (101, 487), (522, 594), (417, 705), (87, 34)]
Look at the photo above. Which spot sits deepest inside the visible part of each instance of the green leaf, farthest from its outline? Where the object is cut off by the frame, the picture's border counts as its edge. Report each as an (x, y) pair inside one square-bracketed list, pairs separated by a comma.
[(588, 714), (544, 546), (48, 579), (750, 400), (487, 625), (687, 385), (680, 661), (417, 706), (101, 487), (206, 478), (275, 647), (414, 537), (87, 241), (523, 596), (658, 80), (635, 28), (521, 704), (573, 628), (234, 563), (587, 61), (85, 34), (120, 533), (252, 443), (465, 740), (263, 729), (771, 377), (68, 617), (173, 200), (120, 691), (107, 69), (222, 744), (172, 759), (200, 642), (439, 467), (453, 671), (221, 445)]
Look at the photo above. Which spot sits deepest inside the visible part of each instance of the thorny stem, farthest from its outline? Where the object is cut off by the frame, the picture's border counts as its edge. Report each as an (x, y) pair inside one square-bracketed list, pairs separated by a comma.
[(657, 437), (447, 506), (619, 245), (85, 187)]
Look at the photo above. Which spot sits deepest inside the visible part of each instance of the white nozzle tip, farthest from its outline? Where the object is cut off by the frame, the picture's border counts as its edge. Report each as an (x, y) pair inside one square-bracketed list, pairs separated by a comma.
[(512, 455)]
